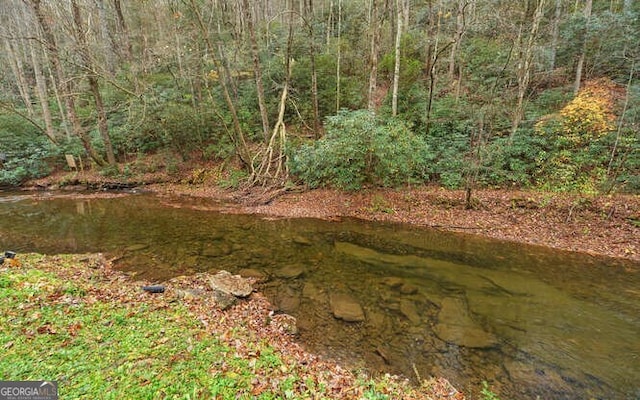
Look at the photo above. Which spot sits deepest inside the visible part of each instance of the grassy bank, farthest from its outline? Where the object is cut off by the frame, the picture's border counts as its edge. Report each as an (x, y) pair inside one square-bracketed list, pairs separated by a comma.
[(72, 319)]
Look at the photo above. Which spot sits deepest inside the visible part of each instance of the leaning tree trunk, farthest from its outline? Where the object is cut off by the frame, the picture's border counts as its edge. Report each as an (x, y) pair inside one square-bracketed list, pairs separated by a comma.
[(272, 170), (523, 71), (41, 90), (238, 138), (583, 53), (64, 85), (89, 67), (257, 70), (396, 69)]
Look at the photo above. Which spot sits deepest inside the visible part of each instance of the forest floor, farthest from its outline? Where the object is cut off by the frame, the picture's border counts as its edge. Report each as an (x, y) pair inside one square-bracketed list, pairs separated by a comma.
[(606, 225)]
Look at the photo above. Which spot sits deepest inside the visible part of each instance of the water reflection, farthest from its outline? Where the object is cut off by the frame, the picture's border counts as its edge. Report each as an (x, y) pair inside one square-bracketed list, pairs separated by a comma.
[(531, 321)]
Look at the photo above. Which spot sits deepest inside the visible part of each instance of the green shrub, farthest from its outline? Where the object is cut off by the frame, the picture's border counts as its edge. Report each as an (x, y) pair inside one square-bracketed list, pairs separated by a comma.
[(360, 149), (26, 150), (448, 145)]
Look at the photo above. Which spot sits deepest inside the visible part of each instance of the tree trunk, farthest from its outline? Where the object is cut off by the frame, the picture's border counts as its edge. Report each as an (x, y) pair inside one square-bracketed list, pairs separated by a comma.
[(308, 20), (64, 85), (257, 70), (126, 48), (374, 26), (523, 70), (15, 62), (396, 68), (457, 38), (579, 67), (41, 90), (339, 55), (92, 78), (239, 139), (555, 34)]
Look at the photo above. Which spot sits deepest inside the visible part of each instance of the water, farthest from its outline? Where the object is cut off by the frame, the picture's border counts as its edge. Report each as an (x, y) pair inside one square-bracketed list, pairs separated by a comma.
[(528, 320)]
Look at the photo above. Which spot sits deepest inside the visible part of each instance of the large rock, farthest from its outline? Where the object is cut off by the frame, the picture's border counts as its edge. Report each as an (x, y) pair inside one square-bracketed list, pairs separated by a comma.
[(344, 307), (235, 285), (456, 326)]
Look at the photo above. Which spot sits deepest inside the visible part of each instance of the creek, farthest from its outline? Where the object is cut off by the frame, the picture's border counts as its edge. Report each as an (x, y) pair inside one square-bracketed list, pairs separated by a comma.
[(531, 321)]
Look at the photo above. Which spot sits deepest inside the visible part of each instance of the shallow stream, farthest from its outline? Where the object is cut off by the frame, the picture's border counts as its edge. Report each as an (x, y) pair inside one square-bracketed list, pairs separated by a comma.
[(528, 320)]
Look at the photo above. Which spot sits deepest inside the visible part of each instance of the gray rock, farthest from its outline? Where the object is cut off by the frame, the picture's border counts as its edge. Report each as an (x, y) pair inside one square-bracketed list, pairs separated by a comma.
[(223, 299), (233, 284), (344, 307)]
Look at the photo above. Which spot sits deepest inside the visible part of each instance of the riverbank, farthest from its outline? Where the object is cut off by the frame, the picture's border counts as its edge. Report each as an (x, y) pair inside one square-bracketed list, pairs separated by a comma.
[(74, 319), (597, 225), (600, 225)]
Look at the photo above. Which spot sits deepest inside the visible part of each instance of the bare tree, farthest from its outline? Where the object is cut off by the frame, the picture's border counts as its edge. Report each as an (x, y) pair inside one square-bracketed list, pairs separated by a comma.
[(123, 30), (92, 77), (214, 52), (64, 84), (272, 169), (396, 68), (583, 52), (43, 95), (339, 56), (374, 28), (257, 70), (555, 33), (524, 63)]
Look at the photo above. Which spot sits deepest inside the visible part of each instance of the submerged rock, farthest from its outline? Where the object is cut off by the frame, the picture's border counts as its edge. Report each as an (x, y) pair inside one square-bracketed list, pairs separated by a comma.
[(259, 276), (301, 240), (409, 310), (344, 307), (290, 272), (408, 288), (235, 285), (312, 292), (456, 326)]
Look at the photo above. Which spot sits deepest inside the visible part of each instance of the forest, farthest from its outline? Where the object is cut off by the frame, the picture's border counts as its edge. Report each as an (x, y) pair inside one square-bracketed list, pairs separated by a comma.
[(464, 94)]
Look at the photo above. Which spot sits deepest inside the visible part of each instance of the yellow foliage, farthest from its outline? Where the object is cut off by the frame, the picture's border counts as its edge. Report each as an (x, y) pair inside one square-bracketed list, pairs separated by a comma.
[(590, 114)]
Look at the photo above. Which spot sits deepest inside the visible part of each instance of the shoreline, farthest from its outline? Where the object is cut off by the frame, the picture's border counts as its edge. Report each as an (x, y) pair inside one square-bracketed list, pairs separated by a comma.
[(601, 226), (598, 225)]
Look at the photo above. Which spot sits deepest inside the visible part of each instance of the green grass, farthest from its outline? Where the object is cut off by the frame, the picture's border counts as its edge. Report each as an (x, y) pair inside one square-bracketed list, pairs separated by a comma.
[(113, 351), (69, 319)]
